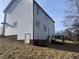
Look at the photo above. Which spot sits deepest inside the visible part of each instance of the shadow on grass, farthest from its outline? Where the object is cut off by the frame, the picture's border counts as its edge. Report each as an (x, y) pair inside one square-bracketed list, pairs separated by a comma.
[(65, 46)]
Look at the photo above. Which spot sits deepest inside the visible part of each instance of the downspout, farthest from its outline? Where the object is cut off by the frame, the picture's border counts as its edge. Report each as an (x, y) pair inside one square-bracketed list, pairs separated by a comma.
[(4, 24)]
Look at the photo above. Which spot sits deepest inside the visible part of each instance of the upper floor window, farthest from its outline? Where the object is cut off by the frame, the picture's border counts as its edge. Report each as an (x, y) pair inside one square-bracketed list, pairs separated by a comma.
[(45, 28), (37, 23), (37, 10)]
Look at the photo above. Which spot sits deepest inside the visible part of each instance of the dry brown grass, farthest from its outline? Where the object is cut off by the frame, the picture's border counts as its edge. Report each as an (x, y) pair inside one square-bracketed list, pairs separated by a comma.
[(15, 50)]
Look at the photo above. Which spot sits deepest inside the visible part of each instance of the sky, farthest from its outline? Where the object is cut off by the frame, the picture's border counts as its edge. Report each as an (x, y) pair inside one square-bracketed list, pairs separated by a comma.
[(55, 9)]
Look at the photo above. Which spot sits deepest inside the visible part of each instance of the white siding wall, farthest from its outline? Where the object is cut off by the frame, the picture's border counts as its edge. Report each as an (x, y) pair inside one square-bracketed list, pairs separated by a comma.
[(39, 32), (51, 26), (23, 15)]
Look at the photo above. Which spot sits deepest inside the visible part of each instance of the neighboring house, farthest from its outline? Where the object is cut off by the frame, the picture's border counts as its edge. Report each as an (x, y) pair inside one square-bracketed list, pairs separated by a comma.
[(27, 20)]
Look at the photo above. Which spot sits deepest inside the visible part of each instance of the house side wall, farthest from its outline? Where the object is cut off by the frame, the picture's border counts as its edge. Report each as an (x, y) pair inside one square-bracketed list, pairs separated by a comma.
[(41, 20), (22, 16), (51, 27)]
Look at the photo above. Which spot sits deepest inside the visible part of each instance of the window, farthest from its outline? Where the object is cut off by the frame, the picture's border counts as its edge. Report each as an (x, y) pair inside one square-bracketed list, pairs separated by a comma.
[(37, 10), (37, 23), (45, 28)]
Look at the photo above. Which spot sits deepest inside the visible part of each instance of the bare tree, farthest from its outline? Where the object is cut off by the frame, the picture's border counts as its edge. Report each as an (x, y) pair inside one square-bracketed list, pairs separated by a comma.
[(72, 17)]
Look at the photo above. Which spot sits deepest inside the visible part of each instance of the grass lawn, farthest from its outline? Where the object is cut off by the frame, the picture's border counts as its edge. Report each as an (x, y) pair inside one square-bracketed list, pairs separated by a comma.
[(10, 49)]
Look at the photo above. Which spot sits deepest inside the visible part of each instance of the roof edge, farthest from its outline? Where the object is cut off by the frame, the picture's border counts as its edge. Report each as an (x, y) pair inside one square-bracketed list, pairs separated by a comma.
[(44, 11), (8, 6), (12, 1)]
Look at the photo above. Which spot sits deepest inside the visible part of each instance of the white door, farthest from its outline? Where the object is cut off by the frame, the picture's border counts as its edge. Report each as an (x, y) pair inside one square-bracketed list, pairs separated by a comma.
[(27, 38)]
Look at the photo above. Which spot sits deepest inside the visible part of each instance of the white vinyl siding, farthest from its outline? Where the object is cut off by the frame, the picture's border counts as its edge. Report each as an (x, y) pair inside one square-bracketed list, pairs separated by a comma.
[(46, 25), (23, 15)]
